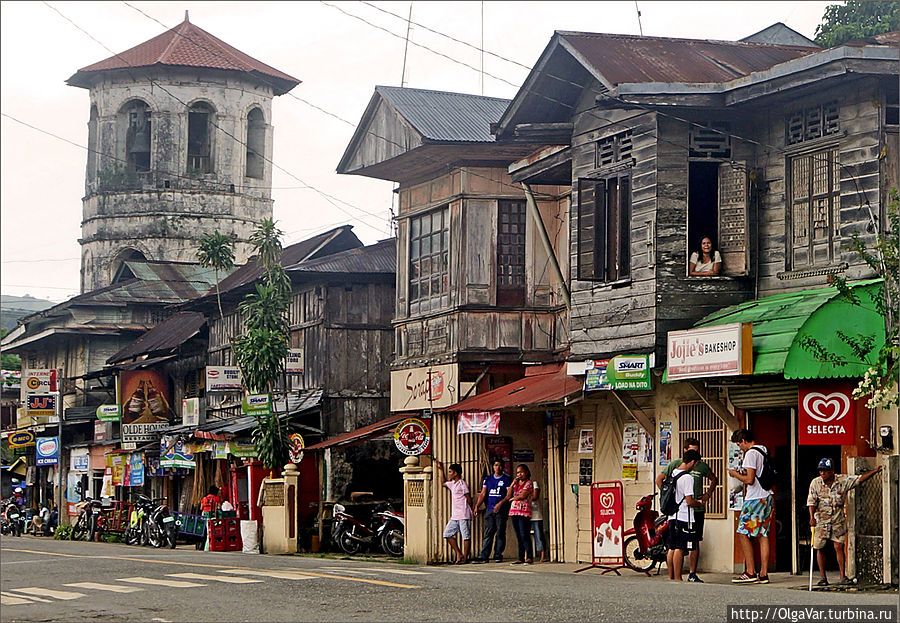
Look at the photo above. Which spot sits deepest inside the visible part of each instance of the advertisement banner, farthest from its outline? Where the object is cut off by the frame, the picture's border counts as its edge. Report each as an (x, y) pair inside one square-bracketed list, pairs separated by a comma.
[(39, 381), (145, 405), (413, 437), (74, 492), (293, 363), (220, 450), (725, 350), (607, 520), (22, 439), (242, 449), (224, 379), (102, 431), (190, 412), (116, 463), (595, 376), (295, 451), (586, 441), (46, 451), (79, 460), (629, 372), (665, 443), (433, 387), (827, 414), (174, 452), (136, 469), (40, 405), (256, 404), (630, 449), (483, 422), (109, 413)]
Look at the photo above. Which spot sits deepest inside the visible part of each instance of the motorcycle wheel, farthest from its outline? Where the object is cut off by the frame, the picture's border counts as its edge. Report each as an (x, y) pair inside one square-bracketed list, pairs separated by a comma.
[(392, 542), (79, 531), (348, 544), (156, 536), (632, 550)]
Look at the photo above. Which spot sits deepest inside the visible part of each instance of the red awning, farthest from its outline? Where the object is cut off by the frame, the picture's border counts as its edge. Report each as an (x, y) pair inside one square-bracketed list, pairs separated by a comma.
[(361, 434), (541, 385)]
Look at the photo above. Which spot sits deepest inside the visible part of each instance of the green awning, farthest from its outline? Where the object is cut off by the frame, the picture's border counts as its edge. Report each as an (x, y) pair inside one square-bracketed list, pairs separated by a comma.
[(781, 322)]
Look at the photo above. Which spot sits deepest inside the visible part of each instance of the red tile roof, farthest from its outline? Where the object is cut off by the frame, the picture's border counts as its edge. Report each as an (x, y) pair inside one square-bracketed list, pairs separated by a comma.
[(187, 45)]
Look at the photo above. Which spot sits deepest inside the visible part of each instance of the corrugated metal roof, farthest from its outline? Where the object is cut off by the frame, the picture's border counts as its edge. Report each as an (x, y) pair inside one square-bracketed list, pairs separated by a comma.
[(169, 334), (630, 58), (360, 434), (153, 282), (552, 385), (186, 45), (446, 116), (380, 257)]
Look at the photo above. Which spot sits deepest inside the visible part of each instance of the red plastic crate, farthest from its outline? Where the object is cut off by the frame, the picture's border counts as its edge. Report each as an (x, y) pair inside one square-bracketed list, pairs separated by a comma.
[(225, 535)]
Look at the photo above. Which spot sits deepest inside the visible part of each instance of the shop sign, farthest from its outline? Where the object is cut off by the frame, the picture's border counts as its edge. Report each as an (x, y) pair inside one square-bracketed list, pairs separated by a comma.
[(295, 450), (40, 405), (433, 387), (725, 350), (145, 405), (242, 449), (174, 452), (256, 404), (220, 450), (101, 430), (79, 460), (21, 439), (595, 376), (629, 372), (293, 363), (47, 451), (413, 437), (39, 381), (190, 412), (224, 379), (607, 519), (136, 469), (108, 413), (827, 414)]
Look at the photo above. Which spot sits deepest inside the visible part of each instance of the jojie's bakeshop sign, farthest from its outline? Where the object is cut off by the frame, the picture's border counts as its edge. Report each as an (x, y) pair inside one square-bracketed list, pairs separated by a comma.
[(725, 350), (827, 414)]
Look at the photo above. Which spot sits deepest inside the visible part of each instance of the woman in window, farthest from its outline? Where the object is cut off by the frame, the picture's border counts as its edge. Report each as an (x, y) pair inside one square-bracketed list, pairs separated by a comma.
[(705, 262)]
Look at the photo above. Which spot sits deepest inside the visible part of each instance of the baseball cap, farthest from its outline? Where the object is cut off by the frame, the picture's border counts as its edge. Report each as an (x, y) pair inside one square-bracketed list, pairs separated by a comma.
[(826, 464)]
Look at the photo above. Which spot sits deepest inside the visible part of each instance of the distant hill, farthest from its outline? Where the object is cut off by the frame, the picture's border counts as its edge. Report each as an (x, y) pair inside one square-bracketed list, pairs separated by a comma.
[(12, 308)]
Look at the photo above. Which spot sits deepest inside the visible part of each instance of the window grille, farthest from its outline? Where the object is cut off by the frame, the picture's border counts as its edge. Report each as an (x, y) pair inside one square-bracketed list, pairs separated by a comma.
[(697, 420), (614, 148), (429, 272), (415, 493), (815, 193)]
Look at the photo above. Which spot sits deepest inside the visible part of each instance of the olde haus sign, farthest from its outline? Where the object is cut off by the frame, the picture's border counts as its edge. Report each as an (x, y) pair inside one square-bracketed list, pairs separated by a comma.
[(725, 350), (827, 414), (434, 387)]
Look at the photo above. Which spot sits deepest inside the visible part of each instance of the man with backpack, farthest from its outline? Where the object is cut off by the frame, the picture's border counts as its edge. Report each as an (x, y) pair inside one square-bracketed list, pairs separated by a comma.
[(758, 474), (676, 500), (700, 471)]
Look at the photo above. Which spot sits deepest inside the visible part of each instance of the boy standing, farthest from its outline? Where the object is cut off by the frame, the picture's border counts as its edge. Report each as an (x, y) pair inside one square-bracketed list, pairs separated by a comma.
[(756, 513), (460, 511), (492, 491), (682, 535)]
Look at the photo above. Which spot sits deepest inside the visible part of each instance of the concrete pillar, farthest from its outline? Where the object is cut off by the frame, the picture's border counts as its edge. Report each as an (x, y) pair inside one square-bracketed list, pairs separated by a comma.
[(417, 510), (280, 525)]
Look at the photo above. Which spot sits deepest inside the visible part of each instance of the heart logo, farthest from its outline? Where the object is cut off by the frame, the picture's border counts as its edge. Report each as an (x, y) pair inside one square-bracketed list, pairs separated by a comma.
[(606, 500), (826, 408)]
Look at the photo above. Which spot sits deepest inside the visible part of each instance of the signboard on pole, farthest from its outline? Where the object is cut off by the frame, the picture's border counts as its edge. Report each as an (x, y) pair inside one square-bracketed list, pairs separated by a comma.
[(40, 405), (39, 381), (79, 460), (432, 387), (827, 414), (413, 437), (607, 521), (256, 404), (629, 372), (293, 363), (224, 379), (46, 451), (136, 469), (595, 376), (21, 439), (724, 350), (295, 451)]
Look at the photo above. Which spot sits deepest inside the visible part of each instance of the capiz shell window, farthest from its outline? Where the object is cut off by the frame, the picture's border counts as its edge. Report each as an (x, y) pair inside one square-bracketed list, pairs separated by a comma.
[(429, 274)]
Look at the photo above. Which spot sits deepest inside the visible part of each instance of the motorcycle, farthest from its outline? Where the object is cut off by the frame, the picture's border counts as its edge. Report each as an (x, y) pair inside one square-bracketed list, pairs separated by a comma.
[(136, 533), (390, 532), (13, 519), (384, 529), (160, 527), (645, 543), (90, 522)]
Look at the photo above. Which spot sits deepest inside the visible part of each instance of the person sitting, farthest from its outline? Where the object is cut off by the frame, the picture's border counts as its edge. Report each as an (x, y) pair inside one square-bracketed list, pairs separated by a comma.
[(705, 262)]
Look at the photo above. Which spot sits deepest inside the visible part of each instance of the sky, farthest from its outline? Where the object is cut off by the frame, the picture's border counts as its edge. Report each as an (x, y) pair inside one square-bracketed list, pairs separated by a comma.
[(340, 51)]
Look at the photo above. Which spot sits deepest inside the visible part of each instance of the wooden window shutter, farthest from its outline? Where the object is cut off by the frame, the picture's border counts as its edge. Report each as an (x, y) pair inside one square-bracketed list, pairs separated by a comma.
[(624, 259), (733, 222), (587, 230)]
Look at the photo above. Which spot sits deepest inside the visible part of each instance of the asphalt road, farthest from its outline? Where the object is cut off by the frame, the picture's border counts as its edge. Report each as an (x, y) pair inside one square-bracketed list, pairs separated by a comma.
[(46, 580)]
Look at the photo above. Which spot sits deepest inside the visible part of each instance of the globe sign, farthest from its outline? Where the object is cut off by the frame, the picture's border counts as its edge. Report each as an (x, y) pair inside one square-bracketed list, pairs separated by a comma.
[(412, 437)]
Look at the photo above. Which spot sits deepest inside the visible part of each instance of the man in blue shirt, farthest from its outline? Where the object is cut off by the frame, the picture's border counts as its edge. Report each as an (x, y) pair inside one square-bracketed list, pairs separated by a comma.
[(492, 491)]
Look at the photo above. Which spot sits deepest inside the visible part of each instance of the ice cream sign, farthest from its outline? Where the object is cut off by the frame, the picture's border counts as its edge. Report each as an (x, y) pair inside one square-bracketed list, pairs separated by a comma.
[(46, 451), (827, 414)]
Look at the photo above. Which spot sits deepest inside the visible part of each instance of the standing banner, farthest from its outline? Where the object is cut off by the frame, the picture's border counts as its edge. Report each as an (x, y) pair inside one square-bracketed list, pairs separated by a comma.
[(827, 414), (107, 489), (136, 469), (145, 405), (116, 463), (607, 526)]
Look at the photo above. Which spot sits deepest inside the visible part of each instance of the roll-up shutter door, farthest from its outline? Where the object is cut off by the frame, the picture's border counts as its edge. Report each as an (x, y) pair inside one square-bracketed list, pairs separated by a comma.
[(764, 396)]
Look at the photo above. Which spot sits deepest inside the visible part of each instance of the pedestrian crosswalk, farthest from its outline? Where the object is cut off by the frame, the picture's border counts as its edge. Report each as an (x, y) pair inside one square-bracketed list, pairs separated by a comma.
[(96, 586)]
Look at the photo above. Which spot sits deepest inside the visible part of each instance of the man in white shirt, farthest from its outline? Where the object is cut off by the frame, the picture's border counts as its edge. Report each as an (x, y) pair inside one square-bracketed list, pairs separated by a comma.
[(682, 533), (756, 513)]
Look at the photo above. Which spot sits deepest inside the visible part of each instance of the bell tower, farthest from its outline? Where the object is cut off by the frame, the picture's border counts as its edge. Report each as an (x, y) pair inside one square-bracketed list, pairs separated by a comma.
[(180, 145)]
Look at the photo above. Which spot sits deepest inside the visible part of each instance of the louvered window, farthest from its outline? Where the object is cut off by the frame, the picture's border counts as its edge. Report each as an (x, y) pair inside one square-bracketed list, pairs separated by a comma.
[(697, 420), (614, 149), (603, 246), (811, 123), (712, 141), (815, 201)]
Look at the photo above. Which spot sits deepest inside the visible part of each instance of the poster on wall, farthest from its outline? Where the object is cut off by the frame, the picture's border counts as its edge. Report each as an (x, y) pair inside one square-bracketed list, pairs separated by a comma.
[(74, 492), (607, 520), (79, 460), (595, 375), (630, 449), (145, 406), (116, 463), (586, 441), (585, 472), (645, 455), (136, 469), (827, 414), (665, 443), (107, 489), (174, 452), (483, 422)]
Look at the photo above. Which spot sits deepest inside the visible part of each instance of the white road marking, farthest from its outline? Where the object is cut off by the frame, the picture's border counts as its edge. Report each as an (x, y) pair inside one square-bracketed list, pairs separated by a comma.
[(461, 572), (510, 571), (159, 582), (160, 620), (19, 562), (105, 587), (217, 578), (397, 571), (282, 575), (46, 592), (5, 594), (13, 601)]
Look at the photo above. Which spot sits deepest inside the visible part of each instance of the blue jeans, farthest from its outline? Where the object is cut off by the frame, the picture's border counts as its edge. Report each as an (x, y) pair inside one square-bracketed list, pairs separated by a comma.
[(537, 526), (522, 526), (494, 534)]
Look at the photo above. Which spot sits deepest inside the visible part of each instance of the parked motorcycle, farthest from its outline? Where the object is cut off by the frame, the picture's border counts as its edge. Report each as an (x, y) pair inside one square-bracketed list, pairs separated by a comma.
[(13, 519), (90, 521), (390, 532), (161, 527), (384, 529), (645, 543), (136, 532)]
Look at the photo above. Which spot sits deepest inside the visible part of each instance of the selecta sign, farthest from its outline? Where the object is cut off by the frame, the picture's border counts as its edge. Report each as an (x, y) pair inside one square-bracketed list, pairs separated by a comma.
[(827, 414), (725, 350)]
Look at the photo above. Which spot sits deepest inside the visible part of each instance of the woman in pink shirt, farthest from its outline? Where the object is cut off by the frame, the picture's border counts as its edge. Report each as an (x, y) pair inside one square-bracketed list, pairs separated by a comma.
[(520, 493), (460, 512)]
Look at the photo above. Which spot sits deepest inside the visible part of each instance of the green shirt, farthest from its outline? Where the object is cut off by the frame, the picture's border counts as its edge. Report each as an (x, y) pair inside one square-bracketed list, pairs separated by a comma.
[(701, 470)]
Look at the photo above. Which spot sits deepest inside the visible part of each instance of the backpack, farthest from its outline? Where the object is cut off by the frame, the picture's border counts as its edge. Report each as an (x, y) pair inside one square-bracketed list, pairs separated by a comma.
[(668, 505), (768, 477)]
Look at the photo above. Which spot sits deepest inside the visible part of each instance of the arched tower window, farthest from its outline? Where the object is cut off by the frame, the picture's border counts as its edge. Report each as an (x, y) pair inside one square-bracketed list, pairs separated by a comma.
[(200, 119), (93, 144), (256, 144), (117, 270), (137, 136)]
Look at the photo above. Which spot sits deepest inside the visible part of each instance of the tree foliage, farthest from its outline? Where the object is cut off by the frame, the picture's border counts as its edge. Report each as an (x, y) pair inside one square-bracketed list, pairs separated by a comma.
[(855, 19), (9, 361), (216, 250)]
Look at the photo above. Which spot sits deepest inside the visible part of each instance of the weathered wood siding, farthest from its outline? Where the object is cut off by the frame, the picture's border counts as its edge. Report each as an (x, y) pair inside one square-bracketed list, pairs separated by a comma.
[(389, 136)]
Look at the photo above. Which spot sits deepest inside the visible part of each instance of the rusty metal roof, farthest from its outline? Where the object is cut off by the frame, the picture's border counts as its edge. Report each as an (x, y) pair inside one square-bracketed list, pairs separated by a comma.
[(629, 58), (375, 258), (541, 385), (167, 335)]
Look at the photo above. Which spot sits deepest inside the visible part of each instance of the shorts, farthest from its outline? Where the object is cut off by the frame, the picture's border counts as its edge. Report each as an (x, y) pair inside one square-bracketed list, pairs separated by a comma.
[(756, 517), (697, 526), (829, 531), (459, 526), (682, 535)]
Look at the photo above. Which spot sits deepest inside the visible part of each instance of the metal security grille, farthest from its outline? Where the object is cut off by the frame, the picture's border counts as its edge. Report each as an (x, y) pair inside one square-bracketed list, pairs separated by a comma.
[(869, 527), (415, 493), (697, 420)]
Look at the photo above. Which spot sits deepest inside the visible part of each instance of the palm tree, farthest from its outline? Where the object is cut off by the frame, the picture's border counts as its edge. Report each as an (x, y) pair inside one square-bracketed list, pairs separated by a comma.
[(216, 250)]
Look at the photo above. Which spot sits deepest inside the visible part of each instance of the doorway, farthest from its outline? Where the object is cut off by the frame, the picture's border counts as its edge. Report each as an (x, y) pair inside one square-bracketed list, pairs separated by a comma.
[(772, 429), (807, 462)]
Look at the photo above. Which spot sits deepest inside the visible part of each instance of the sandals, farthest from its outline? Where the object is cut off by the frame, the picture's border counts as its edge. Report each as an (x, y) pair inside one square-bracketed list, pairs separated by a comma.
[(822, 582), (846, 582)]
